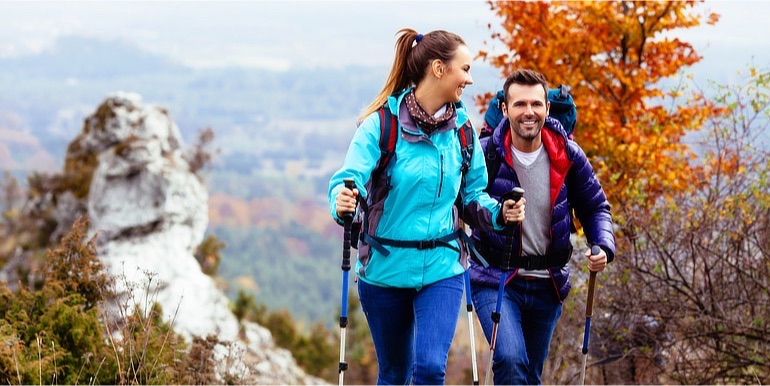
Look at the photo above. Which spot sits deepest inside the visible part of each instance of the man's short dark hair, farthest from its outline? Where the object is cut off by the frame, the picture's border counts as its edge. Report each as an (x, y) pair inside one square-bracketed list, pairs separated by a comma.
[(528, 78)]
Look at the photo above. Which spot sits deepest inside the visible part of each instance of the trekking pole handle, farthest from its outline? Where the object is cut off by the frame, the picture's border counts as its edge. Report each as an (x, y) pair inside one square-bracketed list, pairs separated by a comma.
[(348, 221), (595, 250), (514, 194), (350, 184)]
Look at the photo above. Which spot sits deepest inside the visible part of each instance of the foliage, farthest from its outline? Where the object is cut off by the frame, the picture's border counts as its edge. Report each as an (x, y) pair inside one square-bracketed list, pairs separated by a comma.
[(696, 280), (11, 198), (62, 334), (200, 155), (209, 254), (11, 201), (246, 308), (73, 267), (614, 55)]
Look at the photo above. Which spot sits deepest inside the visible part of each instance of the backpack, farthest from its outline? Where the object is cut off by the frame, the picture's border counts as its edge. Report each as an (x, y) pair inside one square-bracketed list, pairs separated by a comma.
[(388, 137), (562, 109)]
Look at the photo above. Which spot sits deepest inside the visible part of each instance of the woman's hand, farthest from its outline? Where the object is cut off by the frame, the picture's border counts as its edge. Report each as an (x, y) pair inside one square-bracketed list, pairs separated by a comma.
[(346, 201), (513, 211)]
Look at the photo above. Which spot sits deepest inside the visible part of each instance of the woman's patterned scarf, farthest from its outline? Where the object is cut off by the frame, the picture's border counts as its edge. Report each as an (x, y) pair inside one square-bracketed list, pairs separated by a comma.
[(425, 121)]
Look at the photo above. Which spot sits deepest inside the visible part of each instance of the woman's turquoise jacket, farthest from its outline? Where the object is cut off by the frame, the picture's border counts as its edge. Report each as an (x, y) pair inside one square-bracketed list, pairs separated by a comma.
[(424, 179)]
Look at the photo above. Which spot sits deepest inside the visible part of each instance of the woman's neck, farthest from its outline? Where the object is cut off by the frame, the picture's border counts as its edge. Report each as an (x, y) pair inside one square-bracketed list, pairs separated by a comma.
[(428, 99)]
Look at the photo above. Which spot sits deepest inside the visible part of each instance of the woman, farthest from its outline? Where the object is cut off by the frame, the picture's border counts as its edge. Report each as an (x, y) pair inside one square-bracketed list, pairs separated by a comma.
[(410, 285)]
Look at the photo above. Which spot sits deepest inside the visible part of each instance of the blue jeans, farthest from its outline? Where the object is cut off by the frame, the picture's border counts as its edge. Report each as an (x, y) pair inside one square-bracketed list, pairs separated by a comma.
[(412, 330), (529, 312)]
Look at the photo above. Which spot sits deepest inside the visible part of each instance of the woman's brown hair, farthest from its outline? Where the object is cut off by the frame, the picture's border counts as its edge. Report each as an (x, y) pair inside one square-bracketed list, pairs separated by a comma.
[(414, 52)]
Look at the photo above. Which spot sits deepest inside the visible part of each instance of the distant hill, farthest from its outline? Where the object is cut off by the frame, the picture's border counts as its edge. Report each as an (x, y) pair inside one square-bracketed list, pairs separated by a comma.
[(89, 58)]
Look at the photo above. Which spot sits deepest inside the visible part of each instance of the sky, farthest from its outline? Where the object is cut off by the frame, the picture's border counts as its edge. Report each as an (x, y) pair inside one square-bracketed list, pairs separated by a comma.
[(280, 34)]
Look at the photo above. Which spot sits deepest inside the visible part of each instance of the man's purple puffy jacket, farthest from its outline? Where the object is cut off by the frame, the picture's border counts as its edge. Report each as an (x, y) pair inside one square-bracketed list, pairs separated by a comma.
[(573, 184)]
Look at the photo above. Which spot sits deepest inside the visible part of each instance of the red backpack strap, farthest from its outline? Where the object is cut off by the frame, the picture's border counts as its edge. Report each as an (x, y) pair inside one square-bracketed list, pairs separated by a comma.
[(466, 133), (388, 137)]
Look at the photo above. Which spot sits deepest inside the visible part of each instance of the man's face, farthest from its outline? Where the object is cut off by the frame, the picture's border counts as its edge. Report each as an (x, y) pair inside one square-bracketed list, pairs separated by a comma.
[(526, 109)]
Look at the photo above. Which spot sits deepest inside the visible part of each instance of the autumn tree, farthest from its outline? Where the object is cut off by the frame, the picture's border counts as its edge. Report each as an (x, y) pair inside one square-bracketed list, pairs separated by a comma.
[(696, 281), (614, 54)]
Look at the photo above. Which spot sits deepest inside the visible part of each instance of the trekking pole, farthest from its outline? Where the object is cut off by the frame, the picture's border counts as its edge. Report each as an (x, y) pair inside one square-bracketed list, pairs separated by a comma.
[(514, 195), (469, 307), (595, 250), (347, 222)]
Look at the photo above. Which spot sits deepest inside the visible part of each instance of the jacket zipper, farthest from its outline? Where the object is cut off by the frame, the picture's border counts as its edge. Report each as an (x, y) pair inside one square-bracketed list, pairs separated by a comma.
[(441, 176)]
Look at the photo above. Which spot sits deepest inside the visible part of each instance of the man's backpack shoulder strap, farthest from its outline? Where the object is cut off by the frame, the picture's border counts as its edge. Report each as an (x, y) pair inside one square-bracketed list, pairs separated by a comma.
[(493, 161)]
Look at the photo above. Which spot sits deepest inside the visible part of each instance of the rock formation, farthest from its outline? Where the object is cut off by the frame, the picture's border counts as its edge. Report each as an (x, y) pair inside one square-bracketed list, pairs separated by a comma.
[(149, 212)]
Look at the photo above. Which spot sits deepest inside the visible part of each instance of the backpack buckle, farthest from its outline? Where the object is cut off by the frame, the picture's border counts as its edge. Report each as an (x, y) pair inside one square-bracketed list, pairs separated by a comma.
[(426, 244)]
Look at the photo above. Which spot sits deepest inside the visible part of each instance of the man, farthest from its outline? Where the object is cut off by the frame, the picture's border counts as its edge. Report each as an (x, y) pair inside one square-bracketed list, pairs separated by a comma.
[(556, 176)]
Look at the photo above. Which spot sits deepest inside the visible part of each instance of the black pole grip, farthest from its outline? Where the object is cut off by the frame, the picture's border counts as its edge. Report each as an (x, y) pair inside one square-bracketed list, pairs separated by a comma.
[(515, 194), (347, 219), (350, 184)]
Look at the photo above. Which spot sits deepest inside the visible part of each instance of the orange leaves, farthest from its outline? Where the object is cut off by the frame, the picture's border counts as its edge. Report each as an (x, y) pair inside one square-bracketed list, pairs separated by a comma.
[(613, 54)]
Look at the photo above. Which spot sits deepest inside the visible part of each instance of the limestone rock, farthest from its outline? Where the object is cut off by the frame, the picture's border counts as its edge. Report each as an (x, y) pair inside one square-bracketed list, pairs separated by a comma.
[(150, 212)]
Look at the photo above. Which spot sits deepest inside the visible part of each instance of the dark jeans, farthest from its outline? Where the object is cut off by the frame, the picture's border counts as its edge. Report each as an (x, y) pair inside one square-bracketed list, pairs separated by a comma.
[(529, 312), (412, 330)]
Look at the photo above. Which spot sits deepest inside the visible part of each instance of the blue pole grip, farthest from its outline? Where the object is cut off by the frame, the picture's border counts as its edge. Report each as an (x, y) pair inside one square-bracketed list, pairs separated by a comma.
[(344, 305), (500, 291), (468, 301), (586, 335)]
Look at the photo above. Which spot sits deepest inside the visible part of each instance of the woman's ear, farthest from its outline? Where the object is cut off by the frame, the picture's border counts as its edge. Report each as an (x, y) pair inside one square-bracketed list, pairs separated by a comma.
[(438, 68)]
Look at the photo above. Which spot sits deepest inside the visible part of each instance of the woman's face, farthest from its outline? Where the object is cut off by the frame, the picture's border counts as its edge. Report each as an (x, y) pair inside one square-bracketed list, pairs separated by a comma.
[(457, 75)]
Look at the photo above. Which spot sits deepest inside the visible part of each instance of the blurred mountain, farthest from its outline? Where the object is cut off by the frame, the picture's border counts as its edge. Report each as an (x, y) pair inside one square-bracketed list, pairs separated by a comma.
[(47, 95), (82, 57)]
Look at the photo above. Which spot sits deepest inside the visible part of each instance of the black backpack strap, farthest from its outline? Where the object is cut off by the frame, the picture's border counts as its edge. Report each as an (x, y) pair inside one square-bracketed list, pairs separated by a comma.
[(493, 162), (378, 243), (388, 139)]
